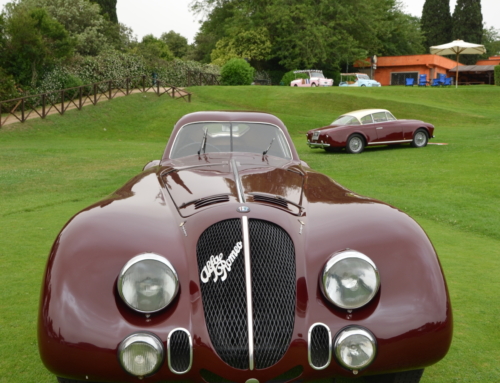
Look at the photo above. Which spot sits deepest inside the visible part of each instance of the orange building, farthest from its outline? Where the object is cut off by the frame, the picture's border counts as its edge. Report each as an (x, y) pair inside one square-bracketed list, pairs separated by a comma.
[(392, 70), (494, 60)]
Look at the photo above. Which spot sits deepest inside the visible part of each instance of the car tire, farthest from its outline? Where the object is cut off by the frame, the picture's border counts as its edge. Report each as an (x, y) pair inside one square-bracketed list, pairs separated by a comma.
[(420, 139), (295, 85), (313, 85), (398, 377), (363, 85), (355, 144)]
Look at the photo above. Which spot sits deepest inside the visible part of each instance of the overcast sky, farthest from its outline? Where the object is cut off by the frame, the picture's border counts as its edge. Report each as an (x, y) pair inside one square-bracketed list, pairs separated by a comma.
[(158, 16)]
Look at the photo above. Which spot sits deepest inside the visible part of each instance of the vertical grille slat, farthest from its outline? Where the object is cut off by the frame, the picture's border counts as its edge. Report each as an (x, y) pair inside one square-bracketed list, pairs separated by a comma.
[(179, 351), (272, 257)]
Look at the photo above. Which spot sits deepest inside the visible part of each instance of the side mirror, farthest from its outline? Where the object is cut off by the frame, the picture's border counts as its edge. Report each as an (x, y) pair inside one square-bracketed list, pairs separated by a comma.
[(150, 164)]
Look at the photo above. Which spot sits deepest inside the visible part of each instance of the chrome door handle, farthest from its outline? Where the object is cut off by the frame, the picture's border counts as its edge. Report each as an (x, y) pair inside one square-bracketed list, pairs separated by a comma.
[(380, 127)]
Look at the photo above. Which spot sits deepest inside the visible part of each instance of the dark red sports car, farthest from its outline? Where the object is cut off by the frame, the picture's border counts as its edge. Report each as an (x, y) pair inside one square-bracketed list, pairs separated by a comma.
[(230, 260), (358, 129)]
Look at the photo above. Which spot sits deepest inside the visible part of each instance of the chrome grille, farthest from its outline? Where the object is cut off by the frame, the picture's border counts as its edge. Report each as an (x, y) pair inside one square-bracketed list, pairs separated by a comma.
[(179, 351), (273, 286)]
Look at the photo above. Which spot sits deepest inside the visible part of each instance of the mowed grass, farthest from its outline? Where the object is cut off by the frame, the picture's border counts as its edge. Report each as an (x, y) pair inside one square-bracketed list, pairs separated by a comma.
[(50, 169)]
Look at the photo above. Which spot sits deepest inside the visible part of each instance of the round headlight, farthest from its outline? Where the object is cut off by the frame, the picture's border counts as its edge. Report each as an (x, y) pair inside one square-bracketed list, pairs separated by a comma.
[(355, 348), (350, 279), (148, 283), (141, 354)]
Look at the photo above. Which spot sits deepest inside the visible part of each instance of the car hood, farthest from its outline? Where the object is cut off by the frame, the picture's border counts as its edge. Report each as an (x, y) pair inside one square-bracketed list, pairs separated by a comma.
[(198, 182)]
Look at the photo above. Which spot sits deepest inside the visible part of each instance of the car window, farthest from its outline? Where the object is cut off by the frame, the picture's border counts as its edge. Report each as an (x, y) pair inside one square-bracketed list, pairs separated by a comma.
[(230, 137), (317, 74), (346, 120), (390, 117), (363, 77), (379, 117), (367, 119)]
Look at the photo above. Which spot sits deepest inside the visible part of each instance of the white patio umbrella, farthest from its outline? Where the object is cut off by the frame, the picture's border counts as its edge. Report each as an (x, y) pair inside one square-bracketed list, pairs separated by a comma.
[(458, 47)]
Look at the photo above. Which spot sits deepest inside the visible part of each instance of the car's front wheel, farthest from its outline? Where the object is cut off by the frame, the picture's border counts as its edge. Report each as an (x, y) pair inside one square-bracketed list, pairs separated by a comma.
[(355, 144), (420, 139), (397, 377), (313, 84)]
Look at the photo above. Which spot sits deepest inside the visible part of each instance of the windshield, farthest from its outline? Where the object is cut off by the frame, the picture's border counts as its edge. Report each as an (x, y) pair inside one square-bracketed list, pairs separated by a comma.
[(317, 74), (363, 76), (239, 137), (346, 120)]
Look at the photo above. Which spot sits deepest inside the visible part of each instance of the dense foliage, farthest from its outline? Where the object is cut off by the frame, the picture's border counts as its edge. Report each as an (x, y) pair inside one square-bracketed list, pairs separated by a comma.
[(468, 25), (108, 8), (288, 77), (497, 75), (275, 34), (177, 44), (237, 72), (436, 22)]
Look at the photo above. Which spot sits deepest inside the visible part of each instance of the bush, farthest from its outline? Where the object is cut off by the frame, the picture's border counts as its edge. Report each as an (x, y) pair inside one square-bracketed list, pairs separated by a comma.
[(290, 76), (8, 89), (237, 72), (497, 75)]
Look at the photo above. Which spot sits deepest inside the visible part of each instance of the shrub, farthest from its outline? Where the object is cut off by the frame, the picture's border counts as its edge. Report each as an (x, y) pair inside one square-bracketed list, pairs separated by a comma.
[(290, 76), (237, 72), (497, 75), (8, 89)]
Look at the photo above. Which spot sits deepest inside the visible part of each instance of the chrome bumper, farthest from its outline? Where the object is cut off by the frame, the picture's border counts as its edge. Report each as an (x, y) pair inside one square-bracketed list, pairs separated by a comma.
[(315, 145)]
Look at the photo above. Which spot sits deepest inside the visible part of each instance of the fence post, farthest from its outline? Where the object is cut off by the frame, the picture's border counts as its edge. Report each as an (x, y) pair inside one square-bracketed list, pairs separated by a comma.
[(109, 89), (62, 102), (22, 110), (173, 91), (143, 83), (126, 84), (95, 93), (80, 96), (158, 87), (43, 105), (189, 97)]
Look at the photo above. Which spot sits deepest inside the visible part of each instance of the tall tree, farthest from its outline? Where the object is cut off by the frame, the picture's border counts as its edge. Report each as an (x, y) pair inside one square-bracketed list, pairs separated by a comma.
[(108, 7), (177, 43), (468, 25), (436, 22)]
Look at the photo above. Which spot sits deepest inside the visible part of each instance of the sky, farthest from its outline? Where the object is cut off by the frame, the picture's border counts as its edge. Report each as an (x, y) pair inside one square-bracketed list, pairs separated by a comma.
[(159, 16)]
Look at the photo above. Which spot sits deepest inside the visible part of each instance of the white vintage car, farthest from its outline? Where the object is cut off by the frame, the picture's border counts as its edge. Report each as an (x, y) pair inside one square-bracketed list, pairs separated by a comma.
[(315, 78), (357, 79)]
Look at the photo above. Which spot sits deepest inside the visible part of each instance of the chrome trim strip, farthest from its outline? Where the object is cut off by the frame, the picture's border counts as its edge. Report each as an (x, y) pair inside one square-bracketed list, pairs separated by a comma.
[(190, 350), (309, 346), (388, 142), (248, 282), (237, 181), (317, 145)]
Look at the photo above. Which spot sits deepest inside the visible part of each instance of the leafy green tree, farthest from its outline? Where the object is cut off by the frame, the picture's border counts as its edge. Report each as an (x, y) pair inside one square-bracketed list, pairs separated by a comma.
[(108, 8), (491, 41), (154, 51), (405, 36), (83, 20), (177, 43), (7, 86), (468, 25), (237, 72), (436, 22), (497, 75), (34, 42)]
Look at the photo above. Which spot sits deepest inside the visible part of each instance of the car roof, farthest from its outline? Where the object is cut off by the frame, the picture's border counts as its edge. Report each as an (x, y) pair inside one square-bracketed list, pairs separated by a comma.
[(363, 112)]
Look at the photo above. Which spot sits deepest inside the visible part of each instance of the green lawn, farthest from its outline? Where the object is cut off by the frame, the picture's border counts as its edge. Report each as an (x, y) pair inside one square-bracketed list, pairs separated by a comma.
[(50, 169)]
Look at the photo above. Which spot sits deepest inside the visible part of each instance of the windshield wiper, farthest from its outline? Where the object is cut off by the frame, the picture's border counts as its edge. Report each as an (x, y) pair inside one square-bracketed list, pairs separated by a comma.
[(203, 142), (269, 147)]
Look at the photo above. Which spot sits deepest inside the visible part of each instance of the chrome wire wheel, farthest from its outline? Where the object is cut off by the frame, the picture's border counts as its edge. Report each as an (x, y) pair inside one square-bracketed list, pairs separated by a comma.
[(419, 139), (355, 144)]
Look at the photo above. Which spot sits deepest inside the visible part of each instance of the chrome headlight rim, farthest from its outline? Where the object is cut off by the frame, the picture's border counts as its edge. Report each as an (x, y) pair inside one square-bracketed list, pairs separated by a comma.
[(142, 337), (140, 258), (348, 331), (338, 257)]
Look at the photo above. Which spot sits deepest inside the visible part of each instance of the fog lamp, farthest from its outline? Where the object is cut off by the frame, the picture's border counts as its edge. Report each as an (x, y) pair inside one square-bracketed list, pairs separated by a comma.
[(141, 354), (355, 348)]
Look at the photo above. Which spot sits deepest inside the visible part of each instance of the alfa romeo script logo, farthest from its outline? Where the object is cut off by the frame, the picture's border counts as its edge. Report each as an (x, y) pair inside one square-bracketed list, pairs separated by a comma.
[(218, 266)]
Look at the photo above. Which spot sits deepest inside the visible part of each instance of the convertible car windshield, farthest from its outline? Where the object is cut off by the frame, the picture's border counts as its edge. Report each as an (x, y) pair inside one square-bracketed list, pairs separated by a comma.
[(317, 74), (217, 137)]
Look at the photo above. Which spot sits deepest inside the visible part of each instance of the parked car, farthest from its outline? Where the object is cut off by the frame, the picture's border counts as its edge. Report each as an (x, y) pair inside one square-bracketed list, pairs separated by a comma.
[(231, 260), (366, 127), (315, 78), (357, 79)]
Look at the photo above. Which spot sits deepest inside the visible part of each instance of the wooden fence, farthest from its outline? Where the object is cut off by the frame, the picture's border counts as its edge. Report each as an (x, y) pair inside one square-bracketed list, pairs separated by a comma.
[(41, 105)]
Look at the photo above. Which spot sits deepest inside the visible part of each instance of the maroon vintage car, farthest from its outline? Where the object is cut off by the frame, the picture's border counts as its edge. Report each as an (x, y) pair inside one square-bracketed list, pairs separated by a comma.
[(230, 260), (358, 129)]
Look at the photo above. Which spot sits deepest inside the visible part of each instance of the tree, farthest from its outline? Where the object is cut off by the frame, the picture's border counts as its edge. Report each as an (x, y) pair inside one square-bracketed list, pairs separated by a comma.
[(491, 41), (468, 25), (34, 41), (406, 36), (154, 51), (436, 22), (237, 72), (108, 8), (177, 44)]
